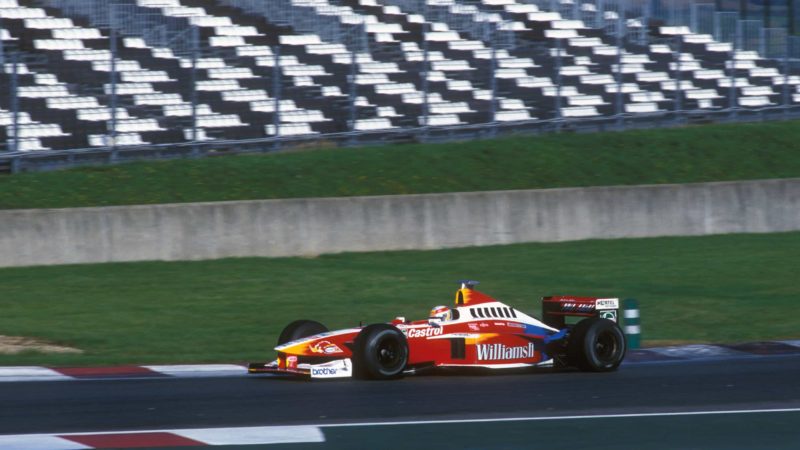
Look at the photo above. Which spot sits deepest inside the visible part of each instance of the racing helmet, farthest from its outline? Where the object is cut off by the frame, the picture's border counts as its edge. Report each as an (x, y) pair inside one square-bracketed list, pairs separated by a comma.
[(439, 314)]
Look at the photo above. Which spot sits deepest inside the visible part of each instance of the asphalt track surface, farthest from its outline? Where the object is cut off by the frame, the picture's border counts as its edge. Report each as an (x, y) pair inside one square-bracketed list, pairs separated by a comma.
[(636, 390)]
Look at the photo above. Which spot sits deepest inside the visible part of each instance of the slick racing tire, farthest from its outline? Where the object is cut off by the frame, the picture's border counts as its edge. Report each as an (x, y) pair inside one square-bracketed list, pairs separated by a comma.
[(300, 329), (380, 352), (596, 345)]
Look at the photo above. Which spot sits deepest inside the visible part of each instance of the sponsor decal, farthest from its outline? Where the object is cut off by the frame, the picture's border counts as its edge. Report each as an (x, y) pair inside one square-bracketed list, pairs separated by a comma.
[(607, 303), (460, 335), (500, 324), (473, 326), (333, 369), (515, 324), (500, 352), (324, 371), (610, 315), (579, 307), (325, 347), (483, 324), (291, 362), (423, 332)]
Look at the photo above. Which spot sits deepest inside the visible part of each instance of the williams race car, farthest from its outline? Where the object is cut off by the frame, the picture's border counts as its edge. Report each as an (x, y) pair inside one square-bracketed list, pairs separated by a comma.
[(478, 331)]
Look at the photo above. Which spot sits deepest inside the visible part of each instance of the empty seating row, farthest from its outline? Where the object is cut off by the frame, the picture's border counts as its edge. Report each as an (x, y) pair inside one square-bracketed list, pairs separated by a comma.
[(423, 63)]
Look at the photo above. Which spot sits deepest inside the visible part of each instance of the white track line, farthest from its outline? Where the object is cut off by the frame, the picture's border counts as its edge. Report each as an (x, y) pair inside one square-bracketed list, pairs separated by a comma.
[(199, 370), (31, 373), (39, 442), (293, 434), (296, 434), (313, 433), (534, 419)]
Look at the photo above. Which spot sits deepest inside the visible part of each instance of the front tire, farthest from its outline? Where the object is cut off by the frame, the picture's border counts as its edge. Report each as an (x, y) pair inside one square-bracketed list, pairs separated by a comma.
[(380, 352), (300, 329), (596, 345)]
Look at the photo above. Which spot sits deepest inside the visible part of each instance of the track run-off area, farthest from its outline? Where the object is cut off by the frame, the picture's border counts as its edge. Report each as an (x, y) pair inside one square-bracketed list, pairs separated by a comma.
[(718, 403)]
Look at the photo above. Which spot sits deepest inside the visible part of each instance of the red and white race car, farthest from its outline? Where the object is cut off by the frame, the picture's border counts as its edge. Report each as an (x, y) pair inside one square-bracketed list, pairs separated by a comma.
[(478, 331)]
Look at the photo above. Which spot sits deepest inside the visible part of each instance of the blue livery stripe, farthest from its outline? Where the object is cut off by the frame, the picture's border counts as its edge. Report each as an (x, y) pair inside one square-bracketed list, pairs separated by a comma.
[(537, 331), (555, 336)]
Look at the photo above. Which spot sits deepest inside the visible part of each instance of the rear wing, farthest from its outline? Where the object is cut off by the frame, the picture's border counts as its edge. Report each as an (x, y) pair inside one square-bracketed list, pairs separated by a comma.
[(556, 309)]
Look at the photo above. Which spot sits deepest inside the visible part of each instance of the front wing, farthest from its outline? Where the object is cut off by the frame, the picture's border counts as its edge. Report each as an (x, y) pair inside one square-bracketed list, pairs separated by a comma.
[(339, 368)]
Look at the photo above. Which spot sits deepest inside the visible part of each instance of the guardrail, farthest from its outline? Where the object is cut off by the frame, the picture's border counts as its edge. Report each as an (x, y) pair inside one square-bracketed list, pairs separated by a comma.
[(14, 162)]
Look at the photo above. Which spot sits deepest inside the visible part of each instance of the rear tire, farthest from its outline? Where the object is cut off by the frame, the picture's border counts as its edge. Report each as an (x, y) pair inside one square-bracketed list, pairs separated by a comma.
[(380, 352), (596, 345), (300, 329)]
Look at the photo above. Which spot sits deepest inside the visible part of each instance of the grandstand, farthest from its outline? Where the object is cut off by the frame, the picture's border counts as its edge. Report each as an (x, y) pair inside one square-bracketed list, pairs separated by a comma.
[(111, 79)]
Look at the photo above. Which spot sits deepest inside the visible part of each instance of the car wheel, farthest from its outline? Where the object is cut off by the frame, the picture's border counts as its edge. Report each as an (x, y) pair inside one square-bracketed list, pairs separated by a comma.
[(596, 345), (380, 352), (300, 329)]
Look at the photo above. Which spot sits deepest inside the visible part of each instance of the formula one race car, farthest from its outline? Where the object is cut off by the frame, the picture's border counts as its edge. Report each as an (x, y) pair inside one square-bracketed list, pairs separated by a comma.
[(478, 332)]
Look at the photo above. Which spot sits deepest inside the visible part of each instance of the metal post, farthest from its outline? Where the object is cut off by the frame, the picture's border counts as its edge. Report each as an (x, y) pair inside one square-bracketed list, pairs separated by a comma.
[(738, 38), (599, 17), (633, 328), (786, 76), (352, 91), (678, 78), (732, 77), (2, 49), (558, 84), (620, 21), (195, 49), (493, 81), (646, 22), (425, 109), (113, 102), (276, 90), (14, 101), (673, 13)]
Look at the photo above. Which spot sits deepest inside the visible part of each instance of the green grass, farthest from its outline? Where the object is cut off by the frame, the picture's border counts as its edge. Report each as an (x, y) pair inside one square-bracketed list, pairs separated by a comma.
[(712, 289), (689, 154)]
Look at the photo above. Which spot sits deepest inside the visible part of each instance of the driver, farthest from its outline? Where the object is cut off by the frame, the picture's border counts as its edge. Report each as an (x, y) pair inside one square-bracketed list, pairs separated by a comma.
[(439, 314)]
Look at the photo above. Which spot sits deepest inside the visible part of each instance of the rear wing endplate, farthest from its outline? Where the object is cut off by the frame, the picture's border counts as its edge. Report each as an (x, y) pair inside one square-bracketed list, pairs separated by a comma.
[(556, 309)]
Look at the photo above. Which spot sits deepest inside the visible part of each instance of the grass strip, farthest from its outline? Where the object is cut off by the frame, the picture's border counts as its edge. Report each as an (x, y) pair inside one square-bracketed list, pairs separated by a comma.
[(710, 289), (681, 155)]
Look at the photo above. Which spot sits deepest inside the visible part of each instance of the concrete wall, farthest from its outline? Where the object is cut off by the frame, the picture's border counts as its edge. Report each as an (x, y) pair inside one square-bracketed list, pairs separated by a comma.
[(314, 226)]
